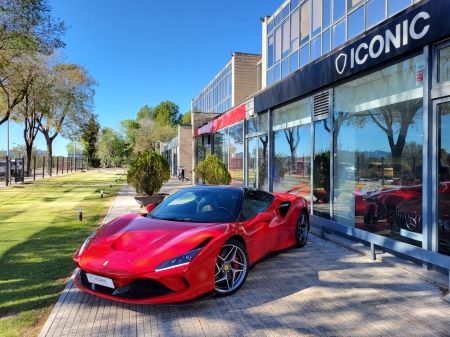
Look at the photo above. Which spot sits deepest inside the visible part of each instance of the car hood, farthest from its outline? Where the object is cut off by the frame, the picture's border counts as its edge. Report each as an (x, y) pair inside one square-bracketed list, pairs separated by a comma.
[(134, 240), (413, 206)]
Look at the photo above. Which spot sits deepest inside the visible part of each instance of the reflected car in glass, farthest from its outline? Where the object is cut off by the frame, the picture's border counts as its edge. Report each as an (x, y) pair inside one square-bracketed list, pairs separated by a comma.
[(375, 171), (408, 218), (198, 242)]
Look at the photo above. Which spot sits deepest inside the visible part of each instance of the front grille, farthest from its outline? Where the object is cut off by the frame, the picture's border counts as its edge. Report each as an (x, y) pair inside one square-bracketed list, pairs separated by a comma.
[(138, 289), (410, 222)]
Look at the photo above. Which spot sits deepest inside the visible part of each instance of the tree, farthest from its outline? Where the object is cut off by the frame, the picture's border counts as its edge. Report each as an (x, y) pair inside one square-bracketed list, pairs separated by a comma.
[(166, 113), (76, 147), (26, 28), (89, 135), (68, 103), (213, 171), (148, 172), (112, 148), (145, 112), (186, 118)]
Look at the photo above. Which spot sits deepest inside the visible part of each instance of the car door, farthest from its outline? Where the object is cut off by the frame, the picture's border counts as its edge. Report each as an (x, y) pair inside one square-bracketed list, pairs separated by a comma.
[(261, 235)]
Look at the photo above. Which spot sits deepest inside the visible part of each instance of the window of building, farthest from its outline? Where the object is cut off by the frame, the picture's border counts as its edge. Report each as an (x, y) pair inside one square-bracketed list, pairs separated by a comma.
[(377, 10), (286, 39), (443, 65), (236, 151), (285, 68), (292, 144), (338, 9), (326, 13), (396, 6), (353, 4), (326, 41), (270, 51), (321, 169), (277, 45), (304, 56), (285, 12), (356, 23), (294, 62), (295, 30), (316, 48), (339, 33), (378, 178), (316, 22), (305, 22)]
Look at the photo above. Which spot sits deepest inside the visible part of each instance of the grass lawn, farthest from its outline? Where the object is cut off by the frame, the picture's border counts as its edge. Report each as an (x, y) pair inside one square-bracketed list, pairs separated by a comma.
[(39, 233)]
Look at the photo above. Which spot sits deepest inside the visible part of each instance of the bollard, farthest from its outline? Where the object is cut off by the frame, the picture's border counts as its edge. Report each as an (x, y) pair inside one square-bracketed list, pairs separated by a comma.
[(110, 185), (80, 214), (101, 194)]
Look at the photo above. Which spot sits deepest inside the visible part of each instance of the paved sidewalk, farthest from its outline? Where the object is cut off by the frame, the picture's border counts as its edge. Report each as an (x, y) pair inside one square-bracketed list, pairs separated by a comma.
[(322, 289)]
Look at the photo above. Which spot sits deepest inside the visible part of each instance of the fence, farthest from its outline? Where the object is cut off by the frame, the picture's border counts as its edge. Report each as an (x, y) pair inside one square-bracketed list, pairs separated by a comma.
[(17, 169)]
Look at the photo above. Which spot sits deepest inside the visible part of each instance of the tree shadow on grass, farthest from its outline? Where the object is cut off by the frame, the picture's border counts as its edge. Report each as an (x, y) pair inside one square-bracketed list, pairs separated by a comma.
[(34, 272)]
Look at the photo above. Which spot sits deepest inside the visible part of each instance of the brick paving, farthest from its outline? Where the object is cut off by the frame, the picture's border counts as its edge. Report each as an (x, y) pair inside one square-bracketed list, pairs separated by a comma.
[(323, 289)]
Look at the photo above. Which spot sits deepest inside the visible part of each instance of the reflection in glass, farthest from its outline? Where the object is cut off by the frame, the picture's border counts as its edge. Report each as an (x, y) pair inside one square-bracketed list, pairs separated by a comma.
[(285, 68), (339, 33), (219, 145), (286, 39), (277, 45), (376, 183), (356, 23), (295, 29), (257, 124), (276, 73), (316, 22), (443, 111), (294, 61), (270, 51), (326, 41), (304, 22), (353, 3), (321, 169), (270, 77), (257, 160), (316, 48), (396, 6), (377, 10), (338, 9), (326, 13), (236, 151), (444, 65), (304, 56), (292, 143)]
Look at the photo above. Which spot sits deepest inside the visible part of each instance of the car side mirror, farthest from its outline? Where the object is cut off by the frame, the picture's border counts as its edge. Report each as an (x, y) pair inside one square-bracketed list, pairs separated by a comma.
[(150, 207)]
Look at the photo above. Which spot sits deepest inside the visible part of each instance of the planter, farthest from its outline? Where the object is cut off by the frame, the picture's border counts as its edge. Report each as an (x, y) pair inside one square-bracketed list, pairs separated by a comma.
[(150, 199), (322, 196)]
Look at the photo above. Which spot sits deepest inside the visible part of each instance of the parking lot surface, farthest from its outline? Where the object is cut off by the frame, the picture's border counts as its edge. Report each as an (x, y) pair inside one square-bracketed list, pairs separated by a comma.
[(323, 289)]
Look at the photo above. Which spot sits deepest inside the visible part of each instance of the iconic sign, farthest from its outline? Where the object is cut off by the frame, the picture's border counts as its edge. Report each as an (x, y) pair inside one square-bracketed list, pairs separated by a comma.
[(383, 43)]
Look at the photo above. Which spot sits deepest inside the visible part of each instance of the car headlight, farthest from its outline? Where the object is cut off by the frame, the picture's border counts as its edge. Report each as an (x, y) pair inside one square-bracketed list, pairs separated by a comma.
[(178, 261), (84, 245)]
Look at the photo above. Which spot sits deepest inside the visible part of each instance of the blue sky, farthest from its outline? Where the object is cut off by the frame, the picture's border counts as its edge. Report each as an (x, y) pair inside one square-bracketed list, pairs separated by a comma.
[(143, 52)]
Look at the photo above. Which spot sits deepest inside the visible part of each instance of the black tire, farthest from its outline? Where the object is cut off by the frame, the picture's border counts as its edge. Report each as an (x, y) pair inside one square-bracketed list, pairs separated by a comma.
[(302, 229), (231, 268)]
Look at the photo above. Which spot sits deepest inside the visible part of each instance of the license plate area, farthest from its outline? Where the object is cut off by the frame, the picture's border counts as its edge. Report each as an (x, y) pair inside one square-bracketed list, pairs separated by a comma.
[(100, 280)]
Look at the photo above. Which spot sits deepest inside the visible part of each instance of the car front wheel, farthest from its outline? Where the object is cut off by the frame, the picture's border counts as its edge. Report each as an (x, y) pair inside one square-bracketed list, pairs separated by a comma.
[(231, 268), (302, 229)]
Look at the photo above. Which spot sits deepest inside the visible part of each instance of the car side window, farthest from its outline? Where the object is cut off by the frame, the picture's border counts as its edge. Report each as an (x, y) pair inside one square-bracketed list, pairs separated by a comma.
[(255, 202)]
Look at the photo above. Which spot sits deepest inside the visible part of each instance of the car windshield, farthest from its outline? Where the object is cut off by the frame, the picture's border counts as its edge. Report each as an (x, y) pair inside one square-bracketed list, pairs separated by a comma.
[(201, 204)]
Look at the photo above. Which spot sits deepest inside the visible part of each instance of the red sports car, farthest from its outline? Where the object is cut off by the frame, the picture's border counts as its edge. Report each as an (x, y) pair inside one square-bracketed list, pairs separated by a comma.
[(198, 242)]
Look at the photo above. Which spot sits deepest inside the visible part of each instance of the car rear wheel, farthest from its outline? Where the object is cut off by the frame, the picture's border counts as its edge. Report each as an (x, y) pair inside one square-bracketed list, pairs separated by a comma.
[(302, 229), (231, 268)]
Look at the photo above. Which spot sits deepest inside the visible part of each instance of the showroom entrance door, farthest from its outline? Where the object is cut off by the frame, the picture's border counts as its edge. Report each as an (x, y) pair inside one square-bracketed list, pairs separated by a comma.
[(257, 162)]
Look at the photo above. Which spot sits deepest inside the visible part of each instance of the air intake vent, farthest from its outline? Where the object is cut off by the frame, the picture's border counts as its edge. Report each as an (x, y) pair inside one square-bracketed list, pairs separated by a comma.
[(322, 105)]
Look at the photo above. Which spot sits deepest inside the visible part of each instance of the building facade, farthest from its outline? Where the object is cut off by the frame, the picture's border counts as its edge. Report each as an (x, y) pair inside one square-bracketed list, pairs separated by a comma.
[(358, 126)]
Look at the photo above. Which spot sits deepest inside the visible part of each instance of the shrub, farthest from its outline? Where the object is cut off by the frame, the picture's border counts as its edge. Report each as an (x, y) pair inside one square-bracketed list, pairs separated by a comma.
[(148, 172), (213, 171), (95, 162)]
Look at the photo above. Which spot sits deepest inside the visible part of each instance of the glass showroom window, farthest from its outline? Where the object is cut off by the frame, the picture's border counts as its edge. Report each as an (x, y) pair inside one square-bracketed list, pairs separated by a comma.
[(444, 65), (221, 145), (443, 111), (378, 140), (292, 143), (321, 169), (236, 150)]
